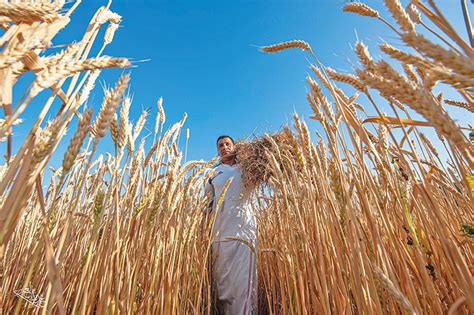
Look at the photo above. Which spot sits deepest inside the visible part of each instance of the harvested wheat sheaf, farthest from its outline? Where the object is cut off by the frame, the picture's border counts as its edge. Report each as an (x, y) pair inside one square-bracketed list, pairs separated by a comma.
[(253, 157)]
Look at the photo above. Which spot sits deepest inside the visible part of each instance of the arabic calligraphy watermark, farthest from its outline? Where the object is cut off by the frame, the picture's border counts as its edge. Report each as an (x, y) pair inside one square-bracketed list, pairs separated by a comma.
[(31, 296)]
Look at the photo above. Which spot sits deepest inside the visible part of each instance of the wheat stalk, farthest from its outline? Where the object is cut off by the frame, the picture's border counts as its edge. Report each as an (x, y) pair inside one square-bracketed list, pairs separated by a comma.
[(123, 123), (51, 75), (29, 12), (413, 13), (286, 45), (105, 15), (464, 105), (361, 9), (110, 32), (77, 140), (393, 291), (109, 106), (140, 124), (114, 131), (450, 59), (362, 193), (400, 15), (346, 78)]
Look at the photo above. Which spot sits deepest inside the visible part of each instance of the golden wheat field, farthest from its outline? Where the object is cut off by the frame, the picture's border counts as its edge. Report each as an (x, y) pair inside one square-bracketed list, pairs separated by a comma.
[(366, 219)]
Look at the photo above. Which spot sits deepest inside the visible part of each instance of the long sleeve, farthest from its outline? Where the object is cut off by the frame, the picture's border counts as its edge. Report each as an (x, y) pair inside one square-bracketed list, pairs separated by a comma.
[(209, 192)]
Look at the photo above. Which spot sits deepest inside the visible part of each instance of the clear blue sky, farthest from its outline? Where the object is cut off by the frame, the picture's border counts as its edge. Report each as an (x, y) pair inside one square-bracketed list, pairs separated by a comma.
[(203, 60)]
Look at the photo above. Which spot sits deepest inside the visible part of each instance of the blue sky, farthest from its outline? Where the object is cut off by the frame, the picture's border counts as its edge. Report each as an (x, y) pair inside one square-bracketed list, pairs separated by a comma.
[(202, 59)]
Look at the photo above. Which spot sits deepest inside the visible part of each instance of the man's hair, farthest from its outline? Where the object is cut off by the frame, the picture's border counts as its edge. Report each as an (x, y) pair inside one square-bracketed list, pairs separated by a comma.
[(224, 136)]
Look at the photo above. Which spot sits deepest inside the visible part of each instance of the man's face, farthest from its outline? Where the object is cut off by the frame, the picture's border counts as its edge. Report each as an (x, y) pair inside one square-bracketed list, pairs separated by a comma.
[(224, 147)]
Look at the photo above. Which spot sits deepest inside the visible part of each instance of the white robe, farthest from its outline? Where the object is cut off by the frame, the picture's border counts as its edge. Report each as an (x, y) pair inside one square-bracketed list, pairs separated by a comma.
[(234, 261)]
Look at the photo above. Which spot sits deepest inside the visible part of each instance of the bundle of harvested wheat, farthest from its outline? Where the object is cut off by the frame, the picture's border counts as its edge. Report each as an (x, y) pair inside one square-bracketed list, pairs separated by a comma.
[(253, 156)]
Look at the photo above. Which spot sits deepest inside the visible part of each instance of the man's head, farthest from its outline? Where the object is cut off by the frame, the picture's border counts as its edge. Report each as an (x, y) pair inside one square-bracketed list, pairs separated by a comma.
[(225, 148)]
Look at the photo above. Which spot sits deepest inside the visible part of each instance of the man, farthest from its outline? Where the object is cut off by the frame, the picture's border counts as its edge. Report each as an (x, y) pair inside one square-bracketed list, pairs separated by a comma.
[(234, 236)]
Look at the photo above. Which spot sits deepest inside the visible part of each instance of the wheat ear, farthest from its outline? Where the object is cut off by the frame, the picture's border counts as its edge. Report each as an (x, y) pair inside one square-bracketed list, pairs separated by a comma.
[(361, 9), (286, 45), (77, 141)]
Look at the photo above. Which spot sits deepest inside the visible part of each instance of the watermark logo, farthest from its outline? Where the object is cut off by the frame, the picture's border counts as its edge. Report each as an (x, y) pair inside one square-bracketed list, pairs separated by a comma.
[(31, 296)]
